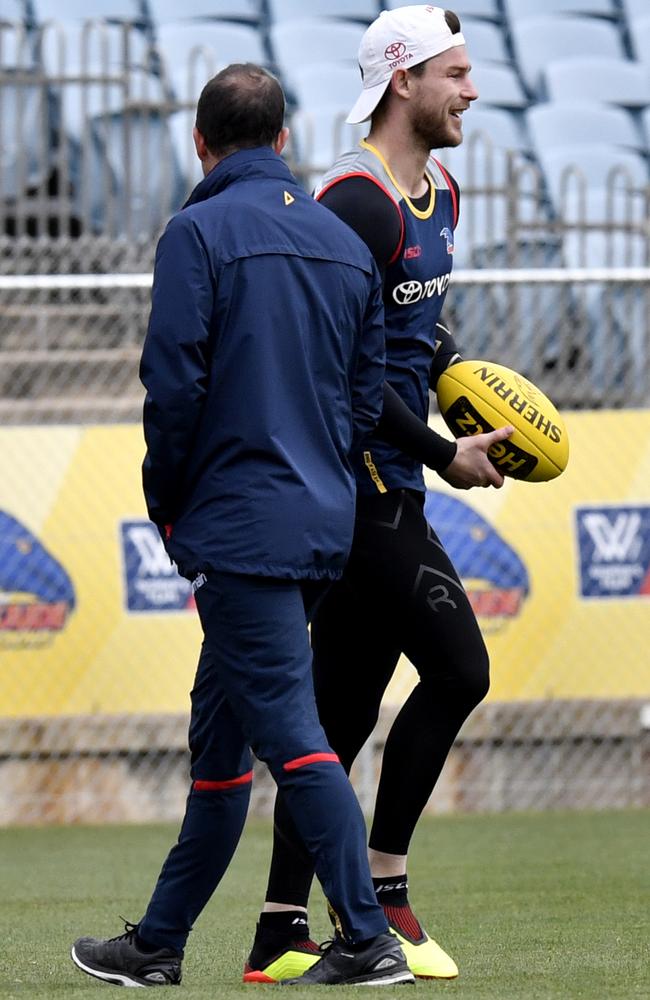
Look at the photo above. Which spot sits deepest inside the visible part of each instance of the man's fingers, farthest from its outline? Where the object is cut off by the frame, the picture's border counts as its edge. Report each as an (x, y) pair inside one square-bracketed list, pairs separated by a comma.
[(499, 434)]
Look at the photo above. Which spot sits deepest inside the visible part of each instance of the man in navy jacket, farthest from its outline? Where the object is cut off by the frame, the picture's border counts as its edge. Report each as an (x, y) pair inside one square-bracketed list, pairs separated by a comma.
[(264, 367)]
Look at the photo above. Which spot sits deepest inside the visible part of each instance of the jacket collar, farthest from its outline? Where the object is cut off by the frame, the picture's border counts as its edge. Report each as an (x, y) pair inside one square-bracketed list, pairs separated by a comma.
[(245, 163)]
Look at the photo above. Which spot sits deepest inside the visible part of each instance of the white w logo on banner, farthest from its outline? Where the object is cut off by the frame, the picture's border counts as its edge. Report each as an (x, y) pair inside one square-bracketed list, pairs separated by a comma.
[(154, 561), (616, 541)]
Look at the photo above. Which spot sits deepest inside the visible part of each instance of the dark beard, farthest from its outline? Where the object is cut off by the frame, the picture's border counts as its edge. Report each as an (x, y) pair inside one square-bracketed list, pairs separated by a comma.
[(433, 135)]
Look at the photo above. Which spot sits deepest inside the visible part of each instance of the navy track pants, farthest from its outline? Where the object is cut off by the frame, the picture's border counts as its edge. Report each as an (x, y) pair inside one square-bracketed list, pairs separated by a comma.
[(254, 691)]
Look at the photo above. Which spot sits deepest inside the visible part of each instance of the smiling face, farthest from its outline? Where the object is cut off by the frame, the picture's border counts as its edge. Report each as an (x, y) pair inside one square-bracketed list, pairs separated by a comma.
[(440, 95)]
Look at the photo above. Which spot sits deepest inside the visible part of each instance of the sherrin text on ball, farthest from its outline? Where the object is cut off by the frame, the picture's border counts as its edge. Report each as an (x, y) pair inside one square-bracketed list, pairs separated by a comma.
[(478, 396)]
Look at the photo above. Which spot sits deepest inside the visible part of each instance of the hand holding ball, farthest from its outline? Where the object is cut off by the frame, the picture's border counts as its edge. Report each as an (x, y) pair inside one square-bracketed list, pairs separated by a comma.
[(476, 397)]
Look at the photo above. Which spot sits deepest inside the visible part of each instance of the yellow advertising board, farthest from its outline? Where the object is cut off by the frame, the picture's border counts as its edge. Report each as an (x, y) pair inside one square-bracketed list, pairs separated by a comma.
[(94, 619)]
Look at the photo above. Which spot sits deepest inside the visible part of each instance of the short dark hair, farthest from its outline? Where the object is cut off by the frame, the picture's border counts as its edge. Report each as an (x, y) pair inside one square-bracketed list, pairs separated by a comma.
[(240, 108), (453, 23)]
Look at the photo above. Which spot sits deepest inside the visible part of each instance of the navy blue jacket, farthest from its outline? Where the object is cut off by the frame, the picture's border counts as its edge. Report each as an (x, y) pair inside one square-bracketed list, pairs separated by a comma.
[(263, 365)]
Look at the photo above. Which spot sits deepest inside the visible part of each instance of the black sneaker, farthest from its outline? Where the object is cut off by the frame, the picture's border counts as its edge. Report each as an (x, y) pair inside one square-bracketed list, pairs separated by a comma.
[(121, 961), (380, 963)]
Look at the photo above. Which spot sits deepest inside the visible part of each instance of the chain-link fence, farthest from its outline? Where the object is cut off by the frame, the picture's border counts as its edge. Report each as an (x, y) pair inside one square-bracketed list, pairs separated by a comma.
[(98, 635)]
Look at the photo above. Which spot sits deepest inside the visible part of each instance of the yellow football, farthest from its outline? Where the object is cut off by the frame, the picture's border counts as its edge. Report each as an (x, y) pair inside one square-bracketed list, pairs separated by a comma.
[(478, 396)]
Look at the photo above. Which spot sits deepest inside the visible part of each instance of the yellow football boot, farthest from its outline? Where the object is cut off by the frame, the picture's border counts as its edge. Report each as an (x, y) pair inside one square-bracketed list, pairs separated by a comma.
[(425, 957)]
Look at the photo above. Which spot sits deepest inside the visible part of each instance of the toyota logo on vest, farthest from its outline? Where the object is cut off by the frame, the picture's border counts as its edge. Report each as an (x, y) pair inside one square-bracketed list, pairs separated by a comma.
[(408, 292)]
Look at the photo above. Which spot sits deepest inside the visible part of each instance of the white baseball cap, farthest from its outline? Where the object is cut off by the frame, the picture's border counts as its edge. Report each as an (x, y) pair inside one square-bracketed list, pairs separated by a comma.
[(398, 39)]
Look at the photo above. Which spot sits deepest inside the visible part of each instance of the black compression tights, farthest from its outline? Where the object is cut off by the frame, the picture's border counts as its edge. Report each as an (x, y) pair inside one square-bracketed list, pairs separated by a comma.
[(400, 593)]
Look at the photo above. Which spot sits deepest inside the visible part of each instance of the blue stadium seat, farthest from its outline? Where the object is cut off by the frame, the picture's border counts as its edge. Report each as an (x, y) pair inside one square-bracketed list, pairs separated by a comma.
[(14, 11), (582, 178), (290, 10), (337, 83), (640, 36), (485, 41), (610, 79), (558, 123), (516, 9), (645, 124), (501, 127), (498, 84), (16, 47), (82, 10), (538, 40), (318, 135), (133, 179), (70, 48), (312, 40), (26, 154), (634, 8), (247, 11), (193, 51), (488, 9)]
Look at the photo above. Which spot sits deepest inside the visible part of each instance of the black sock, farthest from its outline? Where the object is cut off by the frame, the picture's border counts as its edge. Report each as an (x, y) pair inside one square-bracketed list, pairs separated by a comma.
[(274, 932), (392, 890), (288, 923)]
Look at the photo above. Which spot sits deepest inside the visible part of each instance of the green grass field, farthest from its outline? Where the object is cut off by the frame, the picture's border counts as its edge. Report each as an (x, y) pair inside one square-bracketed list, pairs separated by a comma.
[(531, 906)]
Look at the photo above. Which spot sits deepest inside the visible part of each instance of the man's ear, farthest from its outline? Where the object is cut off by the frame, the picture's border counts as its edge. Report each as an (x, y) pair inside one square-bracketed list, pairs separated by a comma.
[(281, 140), (401, 83), (202, 150)]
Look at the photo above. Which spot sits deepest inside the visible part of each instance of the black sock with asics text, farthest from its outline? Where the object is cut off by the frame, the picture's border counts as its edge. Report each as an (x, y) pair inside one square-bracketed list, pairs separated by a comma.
[(277, 932), (292, 923), (392, 895), (392, 890)]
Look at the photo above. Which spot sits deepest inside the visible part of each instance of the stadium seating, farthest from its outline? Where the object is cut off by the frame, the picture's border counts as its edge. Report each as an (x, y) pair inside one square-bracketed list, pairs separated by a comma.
[(193, 51), (538, 40), (516, 9), (318, 136), (25, 149), (640, 35), (299, 43), (247, 11), (645, 124), (498, 85), (16, 48), (499, 126), (70, 10), (134, 180), (610, 79), (485, 41), (634, 8), (290, 10), (558, 123), (14, 11), (72, 48), (582, 177), (335, 83), (488, 9)]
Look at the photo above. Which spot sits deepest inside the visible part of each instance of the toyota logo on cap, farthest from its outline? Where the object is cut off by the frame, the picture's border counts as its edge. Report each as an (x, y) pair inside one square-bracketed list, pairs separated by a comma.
[(394, 51)]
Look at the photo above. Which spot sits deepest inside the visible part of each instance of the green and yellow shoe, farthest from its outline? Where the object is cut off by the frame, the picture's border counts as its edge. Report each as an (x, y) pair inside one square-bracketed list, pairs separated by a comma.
[(425, 957), (295, 958)]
